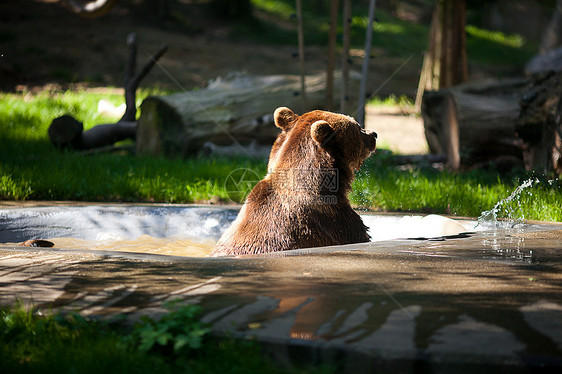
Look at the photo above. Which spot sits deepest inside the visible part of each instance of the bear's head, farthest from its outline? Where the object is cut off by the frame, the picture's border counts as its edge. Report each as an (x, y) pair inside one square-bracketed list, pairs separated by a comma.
[(303, 202), (320, 140)]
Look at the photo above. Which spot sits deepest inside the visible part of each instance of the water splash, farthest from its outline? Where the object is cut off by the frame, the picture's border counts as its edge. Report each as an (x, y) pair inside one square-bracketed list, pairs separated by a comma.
[(489, 218)]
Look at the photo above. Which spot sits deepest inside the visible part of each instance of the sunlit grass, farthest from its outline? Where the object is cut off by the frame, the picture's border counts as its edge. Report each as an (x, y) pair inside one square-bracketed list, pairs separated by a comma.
[(401, 101), (514, 40), (283, 10), (494, 47), (32, 169), (381, 187), (26, 116)]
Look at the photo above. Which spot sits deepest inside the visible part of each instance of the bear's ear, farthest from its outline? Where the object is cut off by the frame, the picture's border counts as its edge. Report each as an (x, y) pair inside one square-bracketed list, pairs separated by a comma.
[(321, 132), (284, 118)]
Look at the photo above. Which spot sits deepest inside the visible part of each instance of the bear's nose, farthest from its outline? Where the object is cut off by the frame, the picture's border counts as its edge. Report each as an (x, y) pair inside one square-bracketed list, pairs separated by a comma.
[(370, 139)]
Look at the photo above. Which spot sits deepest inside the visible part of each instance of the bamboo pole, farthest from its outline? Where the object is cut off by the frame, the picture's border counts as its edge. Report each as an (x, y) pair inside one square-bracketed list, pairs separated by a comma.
[(360, 117)]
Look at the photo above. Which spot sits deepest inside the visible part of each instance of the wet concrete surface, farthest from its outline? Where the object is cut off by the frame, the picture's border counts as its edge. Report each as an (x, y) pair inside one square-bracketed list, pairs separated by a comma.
[(482, 301)]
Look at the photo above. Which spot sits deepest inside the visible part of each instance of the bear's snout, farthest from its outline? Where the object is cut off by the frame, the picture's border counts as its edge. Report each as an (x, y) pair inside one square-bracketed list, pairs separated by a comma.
[(370, 139)]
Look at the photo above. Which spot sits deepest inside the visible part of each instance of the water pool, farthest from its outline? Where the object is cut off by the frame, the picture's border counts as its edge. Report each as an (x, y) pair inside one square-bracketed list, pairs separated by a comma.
[(192, 231)]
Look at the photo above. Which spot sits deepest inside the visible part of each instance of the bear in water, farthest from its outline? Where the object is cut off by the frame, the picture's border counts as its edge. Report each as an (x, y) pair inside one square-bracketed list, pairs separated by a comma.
[(302, 201)]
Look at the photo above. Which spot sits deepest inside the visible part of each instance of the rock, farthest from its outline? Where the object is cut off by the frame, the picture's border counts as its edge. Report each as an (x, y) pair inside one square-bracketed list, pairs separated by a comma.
[(37, 243)]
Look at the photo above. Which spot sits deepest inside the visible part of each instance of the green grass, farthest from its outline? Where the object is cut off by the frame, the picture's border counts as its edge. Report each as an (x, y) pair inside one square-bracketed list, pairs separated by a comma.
[(380, 186), (33, 342), (402, 101), (31, 169), (497, 48)]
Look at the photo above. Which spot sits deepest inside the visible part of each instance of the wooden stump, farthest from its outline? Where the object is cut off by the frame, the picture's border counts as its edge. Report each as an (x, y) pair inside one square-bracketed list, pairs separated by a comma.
[(473, 122), (233, 110), (540, 123)]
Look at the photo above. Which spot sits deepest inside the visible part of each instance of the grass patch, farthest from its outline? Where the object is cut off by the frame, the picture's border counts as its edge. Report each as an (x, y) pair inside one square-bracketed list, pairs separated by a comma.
[(402, 101), (494, 47), (380, 186), (31, 342), (31, 169), (120, 178)]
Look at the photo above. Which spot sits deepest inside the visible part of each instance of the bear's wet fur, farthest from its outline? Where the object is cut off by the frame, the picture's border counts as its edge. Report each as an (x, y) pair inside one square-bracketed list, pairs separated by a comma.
[(302, 201)]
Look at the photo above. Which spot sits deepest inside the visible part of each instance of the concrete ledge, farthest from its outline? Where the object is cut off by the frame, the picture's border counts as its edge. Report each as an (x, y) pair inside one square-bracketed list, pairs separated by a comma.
[(456, 304)]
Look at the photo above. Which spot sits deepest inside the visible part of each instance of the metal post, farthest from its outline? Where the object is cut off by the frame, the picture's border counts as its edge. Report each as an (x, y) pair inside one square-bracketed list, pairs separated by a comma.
[(331, 55), (301, 53), (365, 69), (345, 54)]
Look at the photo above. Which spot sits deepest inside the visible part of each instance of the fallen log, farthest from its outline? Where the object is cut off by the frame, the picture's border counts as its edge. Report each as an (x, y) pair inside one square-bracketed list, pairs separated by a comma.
[(233, 110), (251, 150), (474, 122), (67, 132)]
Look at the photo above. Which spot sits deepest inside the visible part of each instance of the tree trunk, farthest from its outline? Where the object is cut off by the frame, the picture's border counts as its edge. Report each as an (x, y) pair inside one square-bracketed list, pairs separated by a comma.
[(540, 124), (234, 110), (445, 61), (553, 32), (474, 122)]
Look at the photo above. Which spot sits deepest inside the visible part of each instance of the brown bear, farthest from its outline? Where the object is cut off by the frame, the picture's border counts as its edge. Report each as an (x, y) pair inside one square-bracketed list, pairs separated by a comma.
[(302, 201)]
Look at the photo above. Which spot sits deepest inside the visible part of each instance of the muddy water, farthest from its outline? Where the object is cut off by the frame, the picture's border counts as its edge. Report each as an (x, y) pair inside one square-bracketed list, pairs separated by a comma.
[(193, 232), (381, 229), (142, 244)]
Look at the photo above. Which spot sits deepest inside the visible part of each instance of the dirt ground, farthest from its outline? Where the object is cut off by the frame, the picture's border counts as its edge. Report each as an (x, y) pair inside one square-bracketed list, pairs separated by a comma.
[(399, 132)]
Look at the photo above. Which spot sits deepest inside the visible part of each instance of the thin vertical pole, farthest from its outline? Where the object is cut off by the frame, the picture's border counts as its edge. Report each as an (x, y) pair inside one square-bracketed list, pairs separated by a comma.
[(437, 47), (424, 77), (345, 54), (331, 54), (365, 69), (301, 53)]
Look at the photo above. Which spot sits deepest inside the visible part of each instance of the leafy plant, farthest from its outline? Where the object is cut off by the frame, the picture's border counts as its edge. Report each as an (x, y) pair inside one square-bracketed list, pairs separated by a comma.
[(36, 342), (178, 331)]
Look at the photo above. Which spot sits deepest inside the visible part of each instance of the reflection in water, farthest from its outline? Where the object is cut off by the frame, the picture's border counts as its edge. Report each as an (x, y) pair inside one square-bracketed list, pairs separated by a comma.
[(504, 244)]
